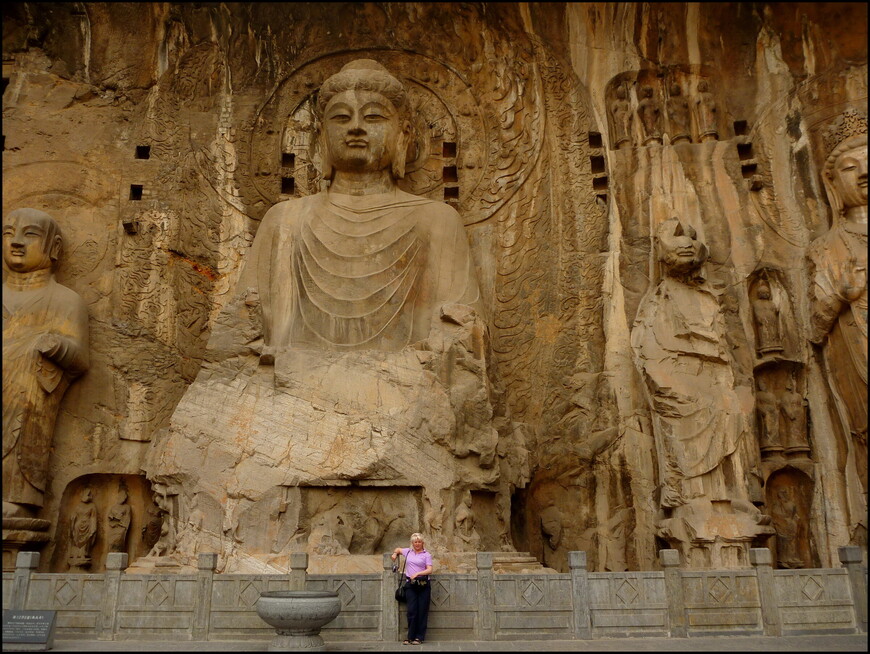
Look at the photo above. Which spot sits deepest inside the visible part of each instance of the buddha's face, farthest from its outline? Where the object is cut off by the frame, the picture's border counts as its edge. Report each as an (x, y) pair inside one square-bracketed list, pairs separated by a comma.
[(680, 249), (849, 177), (24, 244), (362, 130)]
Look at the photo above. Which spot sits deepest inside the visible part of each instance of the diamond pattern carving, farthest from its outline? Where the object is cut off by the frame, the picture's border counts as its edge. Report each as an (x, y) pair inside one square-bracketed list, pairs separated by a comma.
[(440, 594), (813, 589), (249, 594), (627, 592), (65, 594), (720, 590), (157, 594), (346, 594), (532, 594)]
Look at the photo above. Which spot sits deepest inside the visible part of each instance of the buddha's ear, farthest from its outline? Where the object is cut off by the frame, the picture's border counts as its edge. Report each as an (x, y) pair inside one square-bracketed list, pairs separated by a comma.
[(404, 143), (54, 247), (326, 168)]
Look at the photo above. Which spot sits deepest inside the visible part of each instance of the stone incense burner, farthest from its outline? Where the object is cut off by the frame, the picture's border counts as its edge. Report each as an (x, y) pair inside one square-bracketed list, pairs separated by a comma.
[(298, 616)]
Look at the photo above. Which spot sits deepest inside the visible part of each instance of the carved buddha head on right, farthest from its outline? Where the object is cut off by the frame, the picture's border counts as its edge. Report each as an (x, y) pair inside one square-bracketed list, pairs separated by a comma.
[(845, 172), (31, 240), (365, 123), (679, 248)]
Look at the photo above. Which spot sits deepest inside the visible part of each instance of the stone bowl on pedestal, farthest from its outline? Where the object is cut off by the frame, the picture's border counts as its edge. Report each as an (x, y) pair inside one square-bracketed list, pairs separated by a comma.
[(298, 616)]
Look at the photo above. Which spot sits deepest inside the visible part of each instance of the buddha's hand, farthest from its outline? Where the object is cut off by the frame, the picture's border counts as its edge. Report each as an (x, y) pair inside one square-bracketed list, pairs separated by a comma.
[(853, 280), (49, 345)]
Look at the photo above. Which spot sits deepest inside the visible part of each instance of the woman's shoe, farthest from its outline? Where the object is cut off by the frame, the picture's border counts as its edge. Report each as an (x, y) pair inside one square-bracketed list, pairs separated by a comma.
[(416, 641), (406, 642)]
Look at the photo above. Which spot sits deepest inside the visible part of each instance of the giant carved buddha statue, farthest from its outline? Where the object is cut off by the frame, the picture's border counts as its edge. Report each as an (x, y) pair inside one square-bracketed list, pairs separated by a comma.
[(346, 389)]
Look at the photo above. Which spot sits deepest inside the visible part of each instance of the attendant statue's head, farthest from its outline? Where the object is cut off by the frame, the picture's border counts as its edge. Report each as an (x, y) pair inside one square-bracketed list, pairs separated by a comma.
[(365, 121), (679, 248), (845, 172), (31, 240)]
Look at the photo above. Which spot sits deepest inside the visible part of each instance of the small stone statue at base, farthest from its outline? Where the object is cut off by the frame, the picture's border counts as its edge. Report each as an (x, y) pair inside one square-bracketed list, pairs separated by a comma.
[(82, 532)]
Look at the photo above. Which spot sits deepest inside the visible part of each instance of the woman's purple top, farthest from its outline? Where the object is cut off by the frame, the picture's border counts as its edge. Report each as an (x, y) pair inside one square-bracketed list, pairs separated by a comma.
[(416, 562)]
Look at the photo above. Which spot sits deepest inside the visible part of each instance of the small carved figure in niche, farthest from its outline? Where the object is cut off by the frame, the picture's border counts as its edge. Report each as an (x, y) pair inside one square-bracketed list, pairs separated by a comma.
[(708, 129), (551, 526), (119, 518), (708, 459), (839, 320), (794, 410), (82, 532), (45, 347), (189, 538), (768, 328), (790, 528), (678, 115), (620, 110), (650, 114), (151, 529), (767, 407), (166, 542), (464, 523)]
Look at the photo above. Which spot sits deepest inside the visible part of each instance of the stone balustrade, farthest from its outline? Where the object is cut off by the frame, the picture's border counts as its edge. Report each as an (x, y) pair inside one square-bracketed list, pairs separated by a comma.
[(486, 605)]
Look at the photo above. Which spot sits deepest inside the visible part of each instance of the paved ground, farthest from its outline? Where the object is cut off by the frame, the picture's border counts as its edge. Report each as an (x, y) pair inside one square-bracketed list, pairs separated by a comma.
[(813, 643)]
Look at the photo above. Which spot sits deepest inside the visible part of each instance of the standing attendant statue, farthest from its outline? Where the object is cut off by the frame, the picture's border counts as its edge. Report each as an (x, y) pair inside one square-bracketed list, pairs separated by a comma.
[(708, 457), (839, 301), (620, 110), (650, 114), (679, 125), (45, 347), (706, 113)]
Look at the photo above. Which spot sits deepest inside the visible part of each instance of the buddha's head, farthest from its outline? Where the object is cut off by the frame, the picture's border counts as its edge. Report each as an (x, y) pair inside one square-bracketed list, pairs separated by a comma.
[(31, 240), (845, 171), (680, 250), (365, 120)]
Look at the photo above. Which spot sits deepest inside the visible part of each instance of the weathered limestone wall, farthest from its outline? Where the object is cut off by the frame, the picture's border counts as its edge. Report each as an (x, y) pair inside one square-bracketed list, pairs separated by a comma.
[(158, 134)]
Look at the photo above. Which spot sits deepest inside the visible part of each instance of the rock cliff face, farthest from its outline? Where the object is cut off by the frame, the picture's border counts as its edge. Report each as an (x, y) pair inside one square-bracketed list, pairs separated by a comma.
[(159, 134)]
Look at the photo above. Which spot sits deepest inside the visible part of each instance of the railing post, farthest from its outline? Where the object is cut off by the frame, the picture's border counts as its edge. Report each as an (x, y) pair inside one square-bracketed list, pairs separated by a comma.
[(389, 605), (116, 562), (762, 560), (25, 564), (206, 563), (580, 595), (852, 559), (670, 560), (486, 596), (298, 570)]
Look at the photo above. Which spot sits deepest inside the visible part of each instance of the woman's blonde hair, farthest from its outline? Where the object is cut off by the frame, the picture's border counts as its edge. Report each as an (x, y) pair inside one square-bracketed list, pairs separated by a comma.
[(416, 536)]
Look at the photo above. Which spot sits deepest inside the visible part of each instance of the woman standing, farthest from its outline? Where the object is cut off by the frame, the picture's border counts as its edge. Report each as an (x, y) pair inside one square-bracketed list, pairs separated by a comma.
[(418, 567)]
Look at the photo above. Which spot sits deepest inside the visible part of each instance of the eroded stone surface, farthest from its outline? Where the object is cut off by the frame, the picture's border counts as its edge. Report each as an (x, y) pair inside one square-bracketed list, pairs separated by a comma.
[(160, 155)]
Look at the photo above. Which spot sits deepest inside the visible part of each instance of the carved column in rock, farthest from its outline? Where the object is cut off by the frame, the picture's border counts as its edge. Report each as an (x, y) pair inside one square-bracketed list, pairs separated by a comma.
[(706, 110), (679, 119), (839, 300), (650, 113), (45, 348), (621, 116)]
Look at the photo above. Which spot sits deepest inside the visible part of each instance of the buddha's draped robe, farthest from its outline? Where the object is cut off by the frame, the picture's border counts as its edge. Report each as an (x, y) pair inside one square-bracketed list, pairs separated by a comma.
[(33, 386), (343, 272), (841, 326)]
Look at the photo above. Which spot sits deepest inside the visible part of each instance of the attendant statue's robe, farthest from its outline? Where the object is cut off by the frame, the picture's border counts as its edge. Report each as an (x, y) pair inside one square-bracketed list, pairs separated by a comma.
[(34, 304)]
